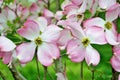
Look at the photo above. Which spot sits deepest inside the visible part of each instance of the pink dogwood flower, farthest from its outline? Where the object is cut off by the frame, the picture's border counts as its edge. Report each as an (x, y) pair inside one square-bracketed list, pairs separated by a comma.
[(6, 49), (80, 47), (106, 4), (115, 60), (113, 12), (6, 16), (107, 26), (43, 37)]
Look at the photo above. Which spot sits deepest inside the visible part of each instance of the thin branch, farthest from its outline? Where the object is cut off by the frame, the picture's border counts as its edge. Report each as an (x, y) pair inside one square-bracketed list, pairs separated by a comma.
[(37, 64), (114, 75), (93, 74), (17, 75), (50, 76), (45, 73), (57, 5), (1, 75), (81, 71), (48, 4)]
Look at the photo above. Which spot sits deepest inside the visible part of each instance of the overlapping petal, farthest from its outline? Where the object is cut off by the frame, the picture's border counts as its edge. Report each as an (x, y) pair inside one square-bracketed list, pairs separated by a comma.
[(77, 2), (51, 34), (111, 37), (47, 13), (105, 4), (115, 62), (94, 22), (65, 36), (75, 50), (113, 12), (7, 57), (6, 44), (42, 22)]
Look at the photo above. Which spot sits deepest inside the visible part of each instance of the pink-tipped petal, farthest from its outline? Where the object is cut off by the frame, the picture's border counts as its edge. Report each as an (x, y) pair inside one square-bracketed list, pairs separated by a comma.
[(65, 36), (116, 48), (111, 37), (70, 8), (6, 44), (118, 37), (105, 4), (65, 3), (7, 57), (92, 56), (83, 7), (47, 52), (96, 35), (76, 29), (34, 8), (77, 2), (115, 62), (25, 52), (1, 54), (93, 6), (59, 15), (42, 22), (51, 34), (74, 18), (112, 13), (47, 13), (30, 30), (75, 51), (94, 22), (62, 23)]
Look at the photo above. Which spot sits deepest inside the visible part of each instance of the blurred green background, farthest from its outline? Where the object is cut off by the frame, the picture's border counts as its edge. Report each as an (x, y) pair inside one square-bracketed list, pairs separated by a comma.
[(103, 71)]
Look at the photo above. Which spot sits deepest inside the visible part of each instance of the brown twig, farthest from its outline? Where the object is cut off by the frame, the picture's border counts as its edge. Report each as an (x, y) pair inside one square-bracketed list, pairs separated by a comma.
[(17, 75)]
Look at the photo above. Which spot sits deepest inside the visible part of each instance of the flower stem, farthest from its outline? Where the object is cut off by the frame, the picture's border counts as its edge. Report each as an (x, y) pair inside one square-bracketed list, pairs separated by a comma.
[(51, 78), (58, 5), (81, 71), (16, 74), (45, 72), (93, 74), (2, 76), (38, 70), (48, 4), (114, 75)]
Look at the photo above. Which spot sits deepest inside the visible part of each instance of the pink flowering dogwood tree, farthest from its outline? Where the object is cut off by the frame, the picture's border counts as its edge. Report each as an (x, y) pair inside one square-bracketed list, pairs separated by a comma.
[(57, 33)]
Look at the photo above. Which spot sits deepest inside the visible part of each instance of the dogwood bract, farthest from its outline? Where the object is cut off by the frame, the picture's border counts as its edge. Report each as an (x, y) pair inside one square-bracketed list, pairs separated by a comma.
[(6, 49), (41, 36)]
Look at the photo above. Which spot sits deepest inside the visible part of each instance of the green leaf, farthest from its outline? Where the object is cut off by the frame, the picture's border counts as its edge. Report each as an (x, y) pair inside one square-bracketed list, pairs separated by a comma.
[(8, 1), (104, 69), (118, 25), (87, 14), (5, 71)]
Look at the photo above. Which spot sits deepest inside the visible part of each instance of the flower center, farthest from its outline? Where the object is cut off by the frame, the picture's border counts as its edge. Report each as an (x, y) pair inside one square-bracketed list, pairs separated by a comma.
[(108, 25), (79, 16), (38, 41), (85, 42)]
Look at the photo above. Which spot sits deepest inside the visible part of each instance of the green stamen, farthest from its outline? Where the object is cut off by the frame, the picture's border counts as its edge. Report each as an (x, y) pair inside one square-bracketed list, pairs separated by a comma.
[(38, 41), (85, 42), (108, 25)]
